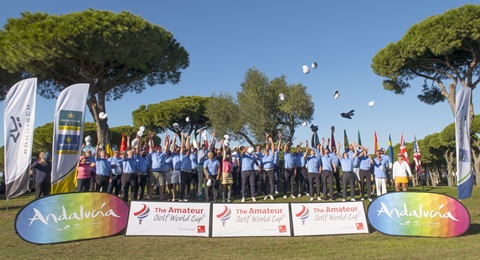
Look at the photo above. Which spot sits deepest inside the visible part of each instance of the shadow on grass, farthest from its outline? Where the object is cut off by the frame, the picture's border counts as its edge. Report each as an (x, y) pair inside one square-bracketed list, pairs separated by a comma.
[(474, 229)]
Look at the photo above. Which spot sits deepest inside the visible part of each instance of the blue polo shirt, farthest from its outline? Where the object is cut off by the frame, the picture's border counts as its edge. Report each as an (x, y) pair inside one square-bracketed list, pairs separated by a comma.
[(102, 166), (288, 159), (142, 164), (380, 168), (248, 162), (365, 163), (299, 160), (326, 163), (211, 166), (185, 163), (129, 166), (267, 161), (158, 161), (347, 164), (313, 164)]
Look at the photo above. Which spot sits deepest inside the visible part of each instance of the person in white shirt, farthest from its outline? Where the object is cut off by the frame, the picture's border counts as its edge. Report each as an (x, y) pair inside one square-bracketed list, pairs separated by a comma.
[(401, 173)]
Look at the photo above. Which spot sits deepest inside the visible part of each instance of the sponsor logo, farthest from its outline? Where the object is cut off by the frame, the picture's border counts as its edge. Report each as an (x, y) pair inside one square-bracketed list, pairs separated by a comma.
[(282, 229), (142, 213), (224, 215), (79, 215), (201, 229), (303, 214)]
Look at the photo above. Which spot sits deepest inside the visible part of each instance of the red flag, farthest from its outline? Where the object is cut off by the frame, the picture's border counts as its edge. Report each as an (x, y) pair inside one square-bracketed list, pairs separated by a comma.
[(416, 156), (123, 144), (333, 139), (375, 141), (403, 150)]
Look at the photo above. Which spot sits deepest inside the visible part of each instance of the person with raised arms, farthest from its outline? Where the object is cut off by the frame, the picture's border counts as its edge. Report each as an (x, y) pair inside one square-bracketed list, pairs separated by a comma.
[(314, 168), (348, 177), (158, 166)]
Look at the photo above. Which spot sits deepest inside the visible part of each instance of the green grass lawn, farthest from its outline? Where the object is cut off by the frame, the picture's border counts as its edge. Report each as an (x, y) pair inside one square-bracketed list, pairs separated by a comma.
[(372, 246)]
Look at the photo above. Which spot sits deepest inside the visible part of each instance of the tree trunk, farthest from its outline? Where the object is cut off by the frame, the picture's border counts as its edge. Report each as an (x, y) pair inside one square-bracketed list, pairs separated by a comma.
[(95, 106), (449, 158)]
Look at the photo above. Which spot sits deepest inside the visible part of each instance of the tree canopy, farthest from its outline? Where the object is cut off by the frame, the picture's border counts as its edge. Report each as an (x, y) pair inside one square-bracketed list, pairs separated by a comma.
[(258, 108), (444, 50), (114, 53), (160, 117)]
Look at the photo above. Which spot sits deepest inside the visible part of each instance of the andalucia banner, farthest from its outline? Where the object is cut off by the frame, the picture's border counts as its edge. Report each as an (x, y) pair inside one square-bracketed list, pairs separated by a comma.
[(67, 137), (462, 138)]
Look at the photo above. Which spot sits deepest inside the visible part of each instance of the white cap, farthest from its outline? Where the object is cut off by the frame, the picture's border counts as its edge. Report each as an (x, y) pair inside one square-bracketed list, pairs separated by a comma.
[(305, 68), (371, 103), (250, 150), (187, 119), (281, 96), (102, 115), (142, 128)]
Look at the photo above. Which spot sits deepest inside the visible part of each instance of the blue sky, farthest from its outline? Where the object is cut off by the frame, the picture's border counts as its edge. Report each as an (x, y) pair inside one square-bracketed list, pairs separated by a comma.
[(225, 38)]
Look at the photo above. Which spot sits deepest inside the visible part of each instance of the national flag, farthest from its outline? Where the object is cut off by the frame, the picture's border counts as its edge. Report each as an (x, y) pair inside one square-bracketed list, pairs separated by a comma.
[(345, 139), (417, 155), (18, 125), (375, 141), (333, 146), (69, 120), (390, 150), (359, 139), (123, 144), (462, 140), (403, 150)]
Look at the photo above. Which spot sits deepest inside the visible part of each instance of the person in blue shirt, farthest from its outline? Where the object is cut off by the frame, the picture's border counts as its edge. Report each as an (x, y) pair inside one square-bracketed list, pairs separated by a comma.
[(328, 167), (103, 169), (194, 178), (348, 177), (176, 168), (314, 168), (289, 171), (365, 173), (201, 157), (248, 172), (211, 170), (186, 167), (116, 173), (130, 176), (267, 171), (143, 165), (276, 159), (158, 166), (336, 173), (380, 169), (301, 176)]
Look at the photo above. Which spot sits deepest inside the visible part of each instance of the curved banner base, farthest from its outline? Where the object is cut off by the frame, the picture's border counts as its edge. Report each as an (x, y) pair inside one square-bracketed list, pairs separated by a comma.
[(71, 216), (418, 214)]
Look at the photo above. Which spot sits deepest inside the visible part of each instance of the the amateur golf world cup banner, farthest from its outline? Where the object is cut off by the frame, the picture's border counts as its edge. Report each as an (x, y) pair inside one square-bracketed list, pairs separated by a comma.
[(246, 220), (71, 216), (67, 137), (310, 219), (418, 214), (18, 120), (168, 219)]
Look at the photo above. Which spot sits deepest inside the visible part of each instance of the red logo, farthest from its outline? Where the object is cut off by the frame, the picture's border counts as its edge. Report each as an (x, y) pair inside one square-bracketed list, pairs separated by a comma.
[(282, 228), (359, 226), (200, 229)]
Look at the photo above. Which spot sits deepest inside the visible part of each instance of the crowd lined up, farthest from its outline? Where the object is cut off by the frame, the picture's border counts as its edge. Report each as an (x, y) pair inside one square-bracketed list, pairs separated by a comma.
[(180, 169)]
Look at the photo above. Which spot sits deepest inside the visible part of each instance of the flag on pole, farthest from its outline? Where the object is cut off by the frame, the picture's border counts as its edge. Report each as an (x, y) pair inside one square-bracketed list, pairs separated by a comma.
[(462, 140), (67, 137), (417, 155), (18, 126), (390, 150), (333, 146), (375, 141), (123, 144), (403, 150), (359, 139), (345, 139)]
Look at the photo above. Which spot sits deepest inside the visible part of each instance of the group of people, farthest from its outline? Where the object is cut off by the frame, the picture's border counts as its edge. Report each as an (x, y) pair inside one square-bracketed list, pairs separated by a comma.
[(173, 170)]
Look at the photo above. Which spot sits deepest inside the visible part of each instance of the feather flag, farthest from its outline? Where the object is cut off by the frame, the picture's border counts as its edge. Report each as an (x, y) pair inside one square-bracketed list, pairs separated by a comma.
[(403, 150), (18, 126), (67, 136), (345, 139), (123, 144), (462, 141), (333, 146), (359, 139), (375, 141), (417, 155), (390, 149)]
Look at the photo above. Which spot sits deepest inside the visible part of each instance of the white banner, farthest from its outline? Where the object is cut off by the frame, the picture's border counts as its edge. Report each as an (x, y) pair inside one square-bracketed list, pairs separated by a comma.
[(328, 218), (18, 120), (246, 220), (67, 136), (148, 218), (462, 139)]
